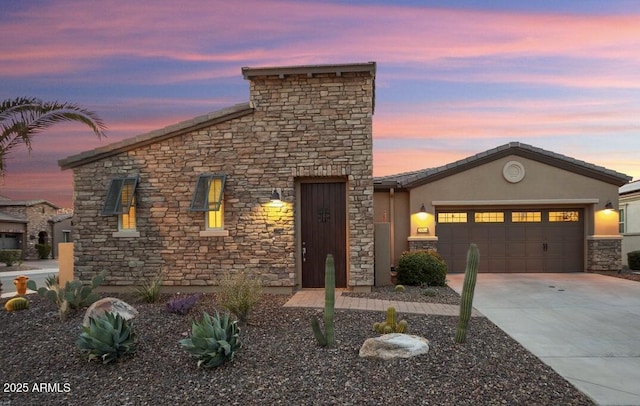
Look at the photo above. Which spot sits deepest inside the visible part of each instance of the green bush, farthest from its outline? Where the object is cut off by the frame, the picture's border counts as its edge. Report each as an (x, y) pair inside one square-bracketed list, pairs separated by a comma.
[(10, 257), (422, 268), (633, 258), (43, 250)]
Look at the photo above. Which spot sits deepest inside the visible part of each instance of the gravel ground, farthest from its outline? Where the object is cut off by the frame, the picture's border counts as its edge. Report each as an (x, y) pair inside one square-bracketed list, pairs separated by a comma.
[(279, 363)]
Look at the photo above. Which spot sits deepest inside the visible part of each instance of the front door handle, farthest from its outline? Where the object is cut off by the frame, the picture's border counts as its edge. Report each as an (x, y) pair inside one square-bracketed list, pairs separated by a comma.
[(304, 252)]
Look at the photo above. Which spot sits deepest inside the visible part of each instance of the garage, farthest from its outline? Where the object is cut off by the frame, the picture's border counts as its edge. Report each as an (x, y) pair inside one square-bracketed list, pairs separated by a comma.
[(528, 210), (513, 240)]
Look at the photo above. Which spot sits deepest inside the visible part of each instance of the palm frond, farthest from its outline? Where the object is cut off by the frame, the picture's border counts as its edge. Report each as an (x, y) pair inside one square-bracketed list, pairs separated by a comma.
[(24, 117)]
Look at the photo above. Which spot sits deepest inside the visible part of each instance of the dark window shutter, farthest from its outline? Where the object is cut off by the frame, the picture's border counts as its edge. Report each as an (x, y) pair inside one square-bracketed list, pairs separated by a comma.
[(118, 202), (112, 202)]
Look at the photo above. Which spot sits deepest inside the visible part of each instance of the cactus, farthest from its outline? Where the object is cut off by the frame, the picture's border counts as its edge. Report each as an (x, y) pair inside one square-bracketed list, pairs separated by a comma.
[(17, 303), (466, 302), (327, 339), (390, 325), (74, 295)]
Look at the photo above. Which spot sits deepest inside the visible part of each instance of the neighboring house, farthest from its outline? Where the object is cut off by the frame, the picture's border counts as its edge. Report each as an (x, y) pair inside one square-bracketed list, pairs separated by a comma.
[(271, 186), (25, 223), (630, 218), (61, 226), (527, 209)]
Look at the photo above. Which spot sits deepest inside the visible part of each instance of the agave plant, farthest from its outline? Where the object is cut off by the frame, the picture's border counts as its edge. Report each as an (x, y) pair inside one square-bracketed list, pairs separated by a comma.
[(107, 338), (214, 340)]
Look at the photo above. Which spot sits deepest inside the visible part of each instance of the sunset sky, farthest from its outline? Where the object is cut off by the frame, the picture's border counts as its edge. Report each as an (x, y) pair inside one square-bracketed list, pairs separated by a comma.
[(454, 77)]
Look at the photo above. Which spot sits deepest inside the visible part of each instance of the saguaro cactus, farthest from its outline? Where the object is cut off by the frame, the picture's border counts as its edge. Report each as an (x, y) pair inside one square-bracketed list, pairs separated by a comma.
[(327, 339), (466, 302)]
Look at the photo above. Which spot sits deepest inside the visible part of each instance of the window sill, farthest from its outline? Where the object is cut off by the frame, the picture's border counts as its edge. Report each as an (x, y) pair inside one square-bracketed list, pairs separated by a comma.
[(214, 233), (131, 234)]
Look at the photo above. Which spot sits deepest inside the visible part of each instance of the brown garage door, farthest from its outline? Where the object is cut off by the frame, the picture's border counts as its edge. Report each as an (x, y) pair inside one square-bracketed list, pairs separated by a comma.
[(515, 240)]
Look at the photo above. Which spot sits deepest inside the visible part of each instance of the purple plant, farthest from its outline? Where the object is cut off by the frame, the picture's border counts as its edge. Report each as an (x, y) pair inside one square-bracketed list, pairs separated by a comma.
[(182, 305)]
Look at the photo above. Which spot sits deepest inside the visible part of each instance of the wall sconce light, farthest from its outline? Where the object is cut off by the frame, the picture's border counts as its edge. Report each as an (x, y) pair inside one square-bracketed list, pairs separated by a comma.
[(608, 206), (275, 196), (423, 209)]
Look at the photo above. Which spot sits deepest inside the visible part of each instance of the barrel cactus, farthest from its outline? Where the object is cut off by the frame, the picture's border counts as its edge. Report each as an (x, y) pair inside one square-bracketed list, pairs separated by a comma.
[(17, 303)]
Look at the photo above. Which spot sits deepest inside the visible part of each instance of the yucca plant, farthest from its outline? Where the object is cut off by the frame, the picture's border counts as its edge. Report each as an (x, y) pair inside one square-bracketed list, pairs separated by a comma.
[(149, 291), (214, 340), (107, 338)]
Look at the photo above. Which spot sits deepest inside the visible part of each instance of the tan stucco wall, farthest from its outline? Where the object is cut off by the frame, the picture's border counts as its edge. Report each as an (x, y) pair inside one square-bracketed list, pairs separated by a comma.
[(398, 218), (542, 185)]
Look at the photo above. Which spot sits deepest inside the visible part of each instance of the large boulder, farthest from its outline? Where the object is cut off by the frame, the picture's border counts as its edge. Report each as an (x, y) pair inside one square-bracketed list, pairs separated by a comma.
[(394, 345), (109, 305)]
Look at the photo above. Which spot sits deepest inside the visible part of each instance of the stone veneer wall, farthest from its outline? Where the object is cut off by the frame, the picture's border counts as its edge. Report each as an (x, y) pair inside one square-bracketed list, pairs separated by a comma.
[(417, 245), (604, 254), (301, 126)]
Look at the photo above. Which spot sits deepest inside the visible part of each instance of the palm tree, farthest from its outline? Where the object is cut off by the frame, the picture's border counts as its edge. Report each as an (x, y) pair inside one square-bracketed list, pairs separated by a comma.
[(22, 118)]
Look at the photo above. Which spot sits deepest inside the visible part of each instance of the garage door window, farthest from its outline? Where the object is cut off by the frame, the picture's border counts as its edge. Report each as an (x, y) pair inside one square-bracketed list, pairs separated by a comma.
[(489, 217), (458, 217), (526, 217), (564, 216)]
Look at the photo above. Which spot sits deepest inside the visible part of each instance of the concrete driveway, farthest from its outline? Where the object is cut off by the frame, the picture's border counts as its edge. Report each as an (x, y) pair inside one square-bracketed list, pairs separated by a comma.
[(585, 326)]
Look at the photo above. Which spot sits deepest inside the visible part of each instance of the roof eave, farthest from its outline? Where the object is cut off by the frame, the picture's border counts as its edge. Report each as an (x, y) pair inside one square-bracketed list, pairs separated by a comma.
[(171, 131), (568, 164), (309, 70)]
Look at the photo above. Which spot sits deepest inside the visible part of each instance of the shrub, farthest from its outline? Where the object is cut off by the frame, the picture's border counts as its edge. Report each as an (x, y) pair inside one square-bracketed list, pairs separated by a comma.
[(213, 341), (182, 305), (239, 294), (43, 250), (149, 291), (108, 338), (75, 295), (633, 258), (10, 257), (421, 268)]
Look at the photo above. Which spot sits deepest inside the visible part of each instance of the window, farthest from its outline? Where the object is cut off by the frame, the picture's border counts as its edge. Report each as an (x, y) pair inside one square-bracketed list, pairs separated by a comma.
[(564, 216), (207, 197), (460, 217), (121, 201), (526, 217), (621, 221), (489, 217)]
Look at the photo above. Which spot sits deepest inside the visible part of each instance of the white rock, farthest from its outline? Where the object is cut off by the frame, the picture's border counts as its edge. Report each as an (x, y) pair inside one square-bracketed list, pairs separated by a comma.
[(110, 305), (394, 345)]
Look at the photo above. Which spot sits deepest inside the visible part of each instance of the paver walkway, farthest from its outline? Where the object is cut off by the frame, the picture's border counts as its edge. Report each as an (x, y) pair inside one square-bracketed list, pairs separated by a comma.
[(315, 298)]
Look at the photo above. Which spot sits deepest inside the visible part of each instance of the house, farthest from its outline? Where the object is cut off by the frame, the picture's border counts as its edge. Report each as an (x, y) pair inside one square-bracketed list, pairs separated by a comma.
[(271, 186), (25, 223), (527, 209), (630, 218)]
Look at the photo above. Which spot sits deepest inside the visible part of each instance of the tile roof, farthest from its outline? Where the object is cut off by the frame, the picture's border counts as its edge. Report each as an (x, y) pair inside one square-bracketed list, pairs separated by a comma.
[(420, 177), (630, 188), (8, 218), (9, 202), (173, 130)]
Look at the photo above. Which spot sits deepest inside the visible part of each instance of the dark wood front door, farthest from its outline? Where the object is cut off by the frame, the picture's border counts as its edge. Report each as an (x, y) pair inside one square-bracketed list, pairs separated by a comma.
[(323, 228)]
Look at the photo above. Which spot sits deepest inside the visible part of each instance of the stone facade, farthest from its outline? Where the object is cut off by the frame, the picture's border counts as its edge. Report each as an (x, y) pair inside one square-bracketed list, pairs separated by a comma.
[(604, 254), (423, 244), (35, 228), (300, 123)]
